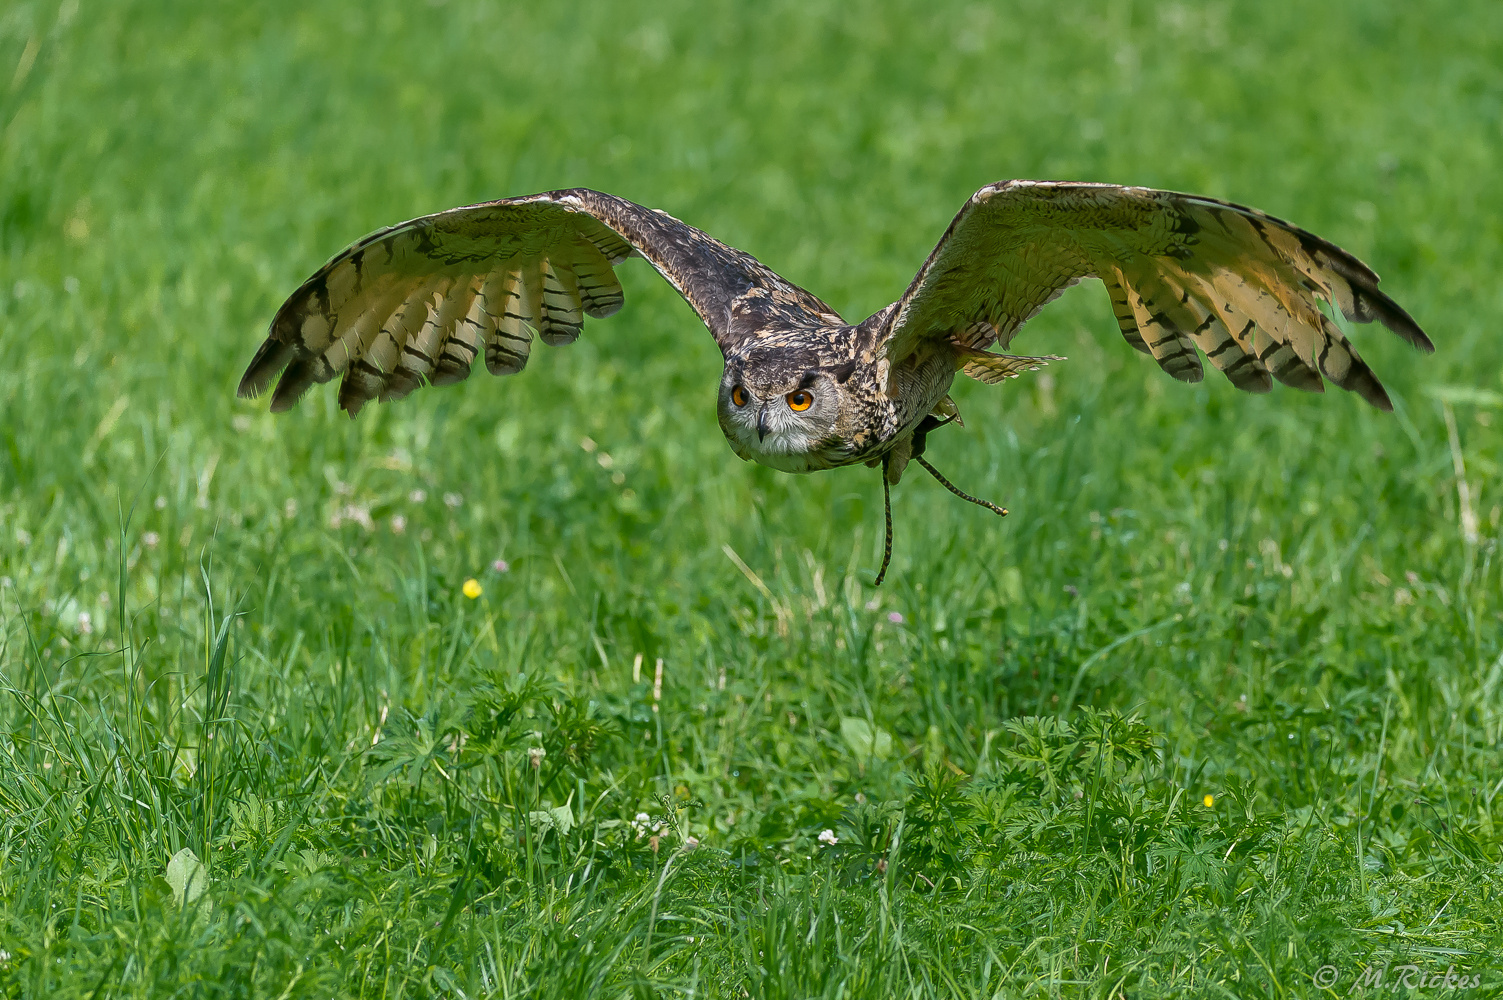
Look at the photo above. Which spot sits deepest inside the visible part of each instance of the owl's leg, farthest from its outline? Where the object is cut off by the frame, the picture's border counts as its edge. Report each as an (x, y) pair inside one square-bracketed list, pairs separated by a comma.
[(887, 515), (896, 460), (930, 423), (999, 511)]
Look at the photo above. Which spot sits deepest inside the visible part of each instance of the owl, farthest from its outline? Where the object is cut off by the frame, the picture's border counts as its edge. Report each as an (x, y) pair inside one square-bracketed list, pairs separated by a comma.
[(802, 389)]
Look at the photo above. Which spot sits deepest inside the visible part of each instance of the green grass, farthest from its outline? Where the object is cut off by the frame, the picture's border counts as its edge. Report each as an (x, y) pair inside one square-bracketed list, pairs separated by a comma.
[(1272, 601)]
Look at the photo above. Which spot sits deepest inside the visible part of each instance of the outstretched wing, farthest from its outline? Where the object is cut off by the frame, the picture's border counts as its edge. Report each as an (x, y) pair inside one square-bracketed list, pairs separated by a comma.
[(420, 301), (1183, 272)]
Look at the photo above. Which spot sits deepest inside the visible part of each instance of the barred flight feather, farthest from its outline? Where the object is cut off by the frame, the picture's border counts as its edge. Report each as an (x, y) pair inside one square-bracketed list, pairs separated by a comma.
[(529, 300), (1127, 320), (1344, 366), (983, 366), (1282, 344), (367, 373), (599, 290), (1161, 320), (1247, 371), (428, 354), (977, 335), (563, 312), (460, 348), (508, 341), (375, 308), (1211, 335), (415, 362)]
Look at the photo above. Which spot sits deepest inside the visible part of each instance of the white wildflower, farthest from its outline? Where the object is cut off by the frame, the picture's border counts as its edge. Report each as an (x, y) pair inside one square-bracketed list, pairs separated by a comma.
[(353, 512), (828, 837)]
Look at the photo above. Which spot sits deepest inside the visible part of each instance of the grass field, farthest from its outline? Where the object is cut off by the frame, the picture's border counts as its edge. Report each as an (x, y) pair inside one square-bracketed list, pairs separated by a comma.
[(1220, 704)]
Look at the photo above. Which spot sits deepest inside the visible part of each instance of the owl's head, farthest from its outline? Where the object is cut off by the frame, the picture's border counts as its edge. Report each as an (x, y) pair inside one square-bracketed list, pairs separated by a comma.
[(778, 414)]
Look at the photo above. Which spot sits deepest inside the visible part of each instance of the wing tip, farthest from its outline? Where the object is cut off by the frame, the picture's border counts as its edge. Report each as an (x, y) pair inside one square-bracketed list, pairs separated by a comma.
[(1373, 304), (1369, 302), (271, 357), (295, 381), (1366, 385)]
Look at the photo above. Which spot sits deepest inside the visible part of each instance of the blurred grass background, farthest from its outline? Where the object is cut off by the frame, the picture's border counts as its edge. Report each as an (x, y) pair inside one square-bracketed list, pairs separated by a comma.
[(1217, 705)]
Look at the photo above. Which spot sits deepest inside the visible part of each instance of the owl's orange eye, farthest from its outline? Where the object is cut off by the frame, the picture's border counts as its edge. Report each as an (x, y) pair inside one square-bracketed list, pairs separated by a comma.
[(738, 396), (800, 400)]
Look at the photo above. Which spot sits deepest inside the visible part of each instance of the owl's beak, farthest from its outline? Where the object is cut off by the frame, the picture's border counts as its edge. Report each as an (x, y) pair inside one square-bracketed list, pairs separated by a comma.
[(762, 424)]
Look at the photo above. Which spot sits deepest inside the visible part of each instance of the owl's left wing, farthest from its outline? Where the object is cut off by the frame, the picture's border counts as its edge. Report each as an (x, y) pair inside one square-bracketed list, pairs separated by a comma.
[(419, 302), (1183, 272)]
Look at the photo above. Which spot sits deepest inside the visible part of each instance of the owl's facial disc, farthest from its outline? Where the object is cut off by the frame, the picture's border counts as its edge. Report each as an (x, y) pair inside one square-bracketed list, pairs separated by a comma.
[(778, 419)]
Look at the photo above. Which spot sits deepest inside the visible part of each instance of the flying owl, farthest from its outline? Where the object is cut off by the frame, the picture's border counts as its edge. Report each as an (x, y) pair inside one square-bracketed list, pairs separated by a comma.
[(802, 389)]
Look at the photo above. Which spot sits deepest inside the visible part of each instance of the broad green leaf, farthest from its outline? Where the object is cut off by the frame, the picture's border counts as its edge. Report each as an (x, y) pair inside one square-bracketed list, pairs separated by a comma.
[(189, 878), (865, 740)]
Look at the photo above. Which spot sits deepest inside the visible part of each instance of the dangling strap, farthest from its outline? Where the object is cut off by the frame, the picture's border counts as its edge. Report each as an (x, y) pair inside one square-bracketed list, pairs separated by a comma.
[(999, 511), (887, 514)]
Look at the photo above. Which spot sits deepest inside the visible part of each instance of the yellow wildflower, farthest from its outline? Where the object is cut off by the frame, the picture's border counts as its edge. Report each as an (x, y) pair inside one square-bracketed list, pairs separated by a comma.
[(1209, 800), (472, 588)]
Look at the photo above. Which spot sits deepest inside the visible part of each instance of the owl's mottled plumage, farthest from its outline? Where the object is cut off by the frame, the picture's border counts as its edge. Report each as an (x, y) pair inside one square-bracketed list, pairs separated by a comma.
[(1186, 275)]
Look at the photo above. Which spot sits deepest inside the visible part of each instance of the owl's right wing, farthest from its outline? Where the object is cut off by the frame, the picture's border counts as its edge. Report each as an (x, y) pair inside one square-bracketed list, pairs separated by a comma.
[(419, 302)]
